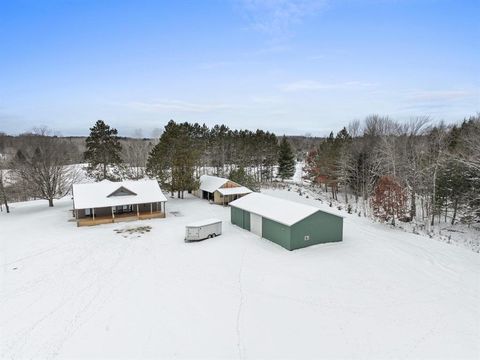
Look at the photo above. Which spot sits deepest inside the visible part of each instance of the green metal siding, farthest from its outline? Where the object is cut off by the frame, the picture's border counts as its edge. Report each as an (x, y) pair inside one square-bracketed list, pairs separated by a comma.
[(276, 232), (321, 227), (246, 220), (236, 216), (240, 218)]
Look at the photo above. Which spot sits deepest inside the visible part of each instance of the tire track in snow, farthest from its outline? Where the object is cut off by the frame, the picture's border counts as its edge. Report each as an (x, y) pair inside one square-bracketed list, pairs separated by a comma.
[(93, 303), (240, 347), (52, 347), (35, 254), (47, 279)]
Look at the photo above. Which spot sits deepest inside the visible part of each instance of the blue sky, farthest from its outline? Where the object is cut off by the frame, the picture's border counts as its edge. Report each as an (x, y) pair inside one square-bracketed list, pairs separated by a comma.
[(289, 66)]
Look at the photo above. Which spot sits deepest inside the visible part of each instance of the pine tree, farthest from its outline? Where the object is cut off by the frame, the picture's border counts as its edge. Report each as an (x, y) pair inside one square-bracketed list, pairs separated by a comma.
[(241, 177), (343, 160), (174, 159), (321, 164), (286, 160), (185, 159), (103, 150), (455, 188)]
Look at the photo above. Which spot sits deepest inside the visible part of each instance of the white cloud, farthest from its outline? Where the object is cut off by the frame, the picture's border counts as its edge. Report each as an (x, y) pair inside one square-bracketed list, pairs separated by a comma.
[(177, 105), (440, 95), (443, 103), (276, 17), (312, 85)]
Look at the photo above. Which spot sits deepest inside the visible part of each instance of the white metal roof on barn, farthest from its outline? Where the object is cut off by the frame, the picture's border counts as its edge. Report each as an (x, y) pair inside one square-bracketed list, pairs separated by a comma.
[(240, 190), (280, 210), (102, 194), (211, 183)]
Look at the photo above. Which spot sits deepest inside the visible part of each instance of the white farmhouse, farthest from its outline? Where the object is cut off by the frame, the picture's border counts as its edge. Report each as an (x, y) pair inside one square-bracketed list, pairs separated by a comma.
[(106, 201)]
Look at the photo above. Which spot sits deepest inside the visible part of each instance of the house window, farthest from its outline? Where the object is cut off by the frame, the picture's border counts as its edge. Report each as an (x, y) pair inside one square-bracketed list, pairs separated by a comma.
[(306, 237)]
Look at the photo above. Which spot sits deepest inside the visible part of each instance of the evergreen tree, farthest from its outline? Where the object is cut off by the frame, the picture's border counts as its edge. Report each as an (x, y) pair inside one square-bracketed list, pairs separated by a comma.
[(241, 177), (343, 160), (455, 188), (103, 150), (174, 159), (286, 160), (321, 163)]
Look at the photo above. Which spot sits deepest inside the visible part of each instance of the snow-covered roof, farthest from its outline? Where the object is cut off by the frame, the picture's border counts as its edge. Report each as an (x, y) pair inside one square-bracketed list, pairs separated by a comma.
[(235, 190), (107, 193), (204, 222), (211, 183), (280, 210)]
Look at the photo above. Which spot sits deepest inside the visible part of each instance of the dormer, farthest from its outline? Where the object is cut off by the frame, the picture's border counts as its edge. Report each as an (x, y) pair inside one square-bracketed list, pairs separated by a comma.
[(122, 191)]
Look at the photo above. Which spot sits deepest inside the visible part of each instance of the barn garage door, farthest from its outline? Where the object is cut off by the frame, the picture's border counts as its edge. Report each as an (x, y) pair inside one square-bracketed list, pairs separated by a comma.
[(256, 224)]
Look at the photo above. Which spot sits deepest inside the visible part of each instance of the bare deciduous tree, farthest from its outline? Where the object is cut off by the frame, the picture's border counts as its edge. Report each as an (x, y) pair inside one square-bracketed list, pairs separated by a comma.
[(411, 154), (470, 153), (135, 156), (3, 186), (42, 164)]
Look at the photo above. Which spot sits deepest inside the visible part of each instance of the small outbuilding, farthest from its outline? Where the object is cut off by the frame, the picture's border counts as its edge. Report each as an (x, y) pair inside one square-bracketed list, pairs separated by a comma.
[(107, 201), (220, 190), (289, 224)]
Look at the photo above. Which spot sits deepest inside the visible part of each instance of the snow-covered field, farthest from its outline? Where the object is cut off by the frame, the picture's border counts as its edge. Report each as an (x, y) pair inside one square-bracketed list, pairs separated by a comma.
[(93, 292)]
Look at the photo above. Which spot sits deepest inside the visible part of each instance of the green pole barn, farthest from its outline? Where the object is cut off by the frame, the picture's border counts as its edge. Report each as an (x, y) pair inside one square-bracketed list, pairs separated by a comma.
[(287, 223)]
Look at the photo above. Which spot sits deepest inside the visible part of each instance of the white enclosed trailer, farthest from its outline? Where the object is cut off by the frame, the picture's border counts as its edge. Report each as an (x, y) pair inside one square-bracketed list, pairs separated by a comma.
[(203, 229)]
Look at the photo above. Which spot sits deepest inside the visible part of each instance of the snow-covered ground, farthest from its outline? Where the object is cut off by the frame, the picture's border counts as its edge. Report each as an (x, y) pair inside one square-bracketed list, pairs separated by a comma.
[(94, 292)]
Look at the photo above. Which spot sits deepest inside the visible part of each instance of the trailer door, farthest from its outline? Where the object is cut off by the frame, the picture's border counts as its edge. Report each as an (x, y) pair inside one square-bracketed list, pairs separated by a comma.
[(193, 233)]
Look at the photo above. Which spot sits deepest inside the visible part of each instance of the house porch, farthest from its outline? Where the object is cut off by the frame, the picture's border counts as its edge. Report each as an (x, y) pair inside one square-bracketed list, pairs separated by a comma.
[(107, 215)]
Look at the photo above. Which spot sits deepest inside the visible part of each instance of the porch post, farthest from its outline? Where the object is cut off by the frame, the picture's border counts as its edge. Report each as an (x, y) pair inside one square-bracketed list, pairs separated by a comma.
[(138, 212), (113, 215), (151, 208), (93, 214)]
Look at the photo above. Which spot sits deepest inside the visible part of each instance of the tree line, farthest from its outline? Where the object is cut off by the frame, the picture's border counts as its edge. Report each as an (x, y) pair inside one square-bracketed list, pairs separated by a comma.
[(185, 151), (402, 171), (394, 171), (44, 165)]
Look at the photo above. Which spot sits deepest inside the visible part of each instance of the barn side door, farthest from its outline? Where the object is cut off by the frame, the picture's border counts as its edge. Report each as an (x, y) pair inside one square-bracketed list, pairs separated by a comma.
[(256, 224)]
